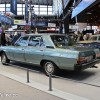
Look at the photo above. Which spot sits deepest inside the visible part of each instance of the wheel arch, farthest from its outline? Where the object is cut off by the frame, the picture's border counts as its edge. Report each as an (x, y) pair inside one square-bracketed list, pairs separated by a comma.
[(1, 52), (45, 60), (6, 61)]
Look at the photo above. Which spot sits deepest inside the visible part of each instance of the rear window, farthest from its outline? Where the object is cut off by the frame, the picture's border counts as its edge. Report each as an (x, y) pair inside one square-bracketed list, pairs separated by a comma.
[(59, 41), (94, 38)]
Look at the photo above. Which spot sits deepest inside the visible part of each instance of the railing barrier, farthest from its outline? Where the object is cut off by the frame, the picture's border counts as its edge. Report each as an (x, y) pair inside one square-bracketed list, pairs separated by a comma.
[(28, 75), (50, 82)]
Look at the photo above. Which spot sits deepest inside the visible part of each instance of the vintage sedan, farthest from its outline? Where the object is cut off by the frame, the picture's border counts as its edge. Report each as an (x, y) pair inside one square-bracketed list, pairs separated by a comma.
[(50, 51)]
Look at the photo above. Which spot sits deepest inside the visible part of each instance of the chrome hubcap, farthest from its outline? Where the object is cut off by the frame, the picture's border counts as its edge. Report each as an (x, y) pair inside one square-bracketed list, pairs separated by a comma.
[(49, 68)]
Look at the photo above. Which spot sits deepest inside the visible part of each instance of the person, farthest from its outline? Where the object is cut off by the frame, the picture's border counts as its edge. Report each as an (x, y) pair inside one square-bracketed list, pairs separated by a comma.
[(87, 36), (3, 39), (81, 37), (15, 38), (0, 35), (8, 39)]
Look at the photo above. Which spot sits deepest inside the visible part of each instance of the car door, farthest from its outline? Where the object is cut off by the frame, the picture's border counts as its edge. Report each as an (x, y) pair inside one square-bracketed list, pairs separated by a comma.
[(9, 52), (34, 52), (19, 49)]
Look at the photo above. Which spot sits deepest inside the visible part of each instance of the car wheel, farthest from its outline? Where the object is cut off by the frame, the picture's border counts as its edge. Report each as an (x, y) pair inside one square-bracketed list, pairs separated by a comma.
[(50, 68), (4, 59)]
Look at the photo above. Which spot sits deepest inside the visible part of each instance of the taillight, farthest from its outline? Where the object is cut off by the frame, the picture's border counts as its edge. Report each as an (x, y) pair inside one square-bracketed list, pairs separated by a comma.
[(98, 55), (85, 59), (81, 60)]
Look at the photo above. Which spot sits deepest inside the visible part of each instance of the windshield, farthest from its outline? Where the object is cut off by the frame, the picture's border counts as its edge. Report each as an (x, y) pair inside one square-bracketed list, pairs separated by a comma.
[(60, 41)]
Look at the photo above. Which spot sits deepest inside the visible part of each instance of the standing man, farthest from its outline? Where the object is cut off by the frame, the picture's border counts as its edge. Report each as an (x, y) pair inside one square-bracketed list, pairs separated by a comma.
[(3, 38), (0, 35)]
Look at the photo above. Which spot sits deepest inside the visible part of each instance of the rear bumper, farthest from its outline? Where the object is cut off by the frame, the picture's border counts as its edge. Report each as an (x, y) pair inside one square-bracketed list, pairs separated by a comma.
[(86, 65)]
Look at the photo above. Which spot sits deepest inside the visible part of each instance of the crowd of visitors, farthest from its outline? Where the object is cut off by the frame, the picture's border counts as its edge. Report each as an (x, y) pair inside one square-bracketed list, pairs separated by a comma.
[(10, 39), (81, 37)]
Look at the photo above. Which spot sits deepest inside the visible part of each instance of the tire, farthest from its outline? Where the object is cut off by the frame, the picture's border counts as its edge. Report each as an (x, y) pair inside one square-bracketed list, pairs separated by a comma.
[(4, 59), (50, 68)]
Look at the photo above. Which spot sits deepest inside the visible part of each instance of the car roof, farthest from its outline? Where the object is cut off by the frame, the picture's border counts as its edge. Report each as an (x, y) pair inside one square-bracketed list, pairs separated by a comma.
[(96, 35)]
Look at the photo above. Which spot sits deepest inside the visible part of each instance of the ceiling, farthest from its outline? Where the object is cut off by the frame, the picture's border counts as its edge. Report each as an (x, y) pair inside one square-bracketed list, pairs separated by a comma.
[(91, 15), (41, 2)]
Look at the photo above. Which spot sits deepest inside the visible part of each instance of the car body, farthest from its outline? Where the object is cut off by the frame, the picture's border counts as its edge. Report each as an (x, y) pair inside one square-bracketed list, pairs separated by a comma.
[(93, 42), (90, 45), (50, 51), (95, 38)]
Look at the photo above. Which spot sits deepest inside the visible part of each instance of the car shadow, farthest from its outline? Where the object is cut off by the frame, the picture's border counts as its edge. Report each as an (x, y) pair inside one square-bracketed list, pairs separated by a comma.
[(72, 75), (77, 76), (25, 66)]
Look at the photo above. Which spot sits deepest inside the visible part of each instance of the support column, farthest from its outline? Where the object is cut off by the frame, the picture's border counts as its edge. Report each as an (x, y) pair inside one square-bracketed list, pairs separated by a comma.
[(66, 25), (5, 7)]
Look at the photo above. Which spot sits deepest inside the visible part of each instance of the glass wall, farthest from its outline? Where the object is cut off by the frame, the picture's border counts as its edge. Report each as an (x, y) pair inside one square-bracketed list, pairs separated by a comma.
[(58, 6), (38, 9)]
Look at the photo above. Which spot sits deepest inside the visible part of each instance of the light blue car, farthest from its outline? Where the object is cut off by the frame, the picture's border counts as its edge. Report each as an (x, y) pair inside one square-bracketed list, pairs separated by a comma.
[(50, 51)]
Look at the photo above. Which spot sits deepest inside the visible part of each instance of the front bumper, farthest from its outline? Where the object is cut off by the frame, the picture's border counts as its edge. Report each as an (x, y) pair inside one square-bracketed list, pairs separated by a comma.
[(78, 67)]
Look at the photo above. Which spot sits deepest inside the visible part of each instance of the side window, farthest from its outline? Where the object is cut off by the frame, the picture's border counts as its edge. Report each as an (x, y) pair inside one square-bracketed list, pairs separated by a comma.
[(94, 38), (42, 44), (23, 41), (35, 41)]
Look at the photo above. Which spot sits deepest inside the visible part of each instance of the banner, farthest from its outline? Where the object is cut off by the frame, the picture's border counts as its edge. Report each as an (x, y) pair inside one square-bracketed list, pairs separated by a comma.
[(39, 23), (19, 22), (13, 8), (82, 6), (6, 20)]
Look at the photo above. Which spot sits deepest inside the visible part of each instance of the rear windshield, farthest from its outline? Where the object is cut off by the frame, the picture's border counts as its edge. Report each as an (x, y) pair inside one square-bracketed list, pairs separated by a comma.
[(60, 41)]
